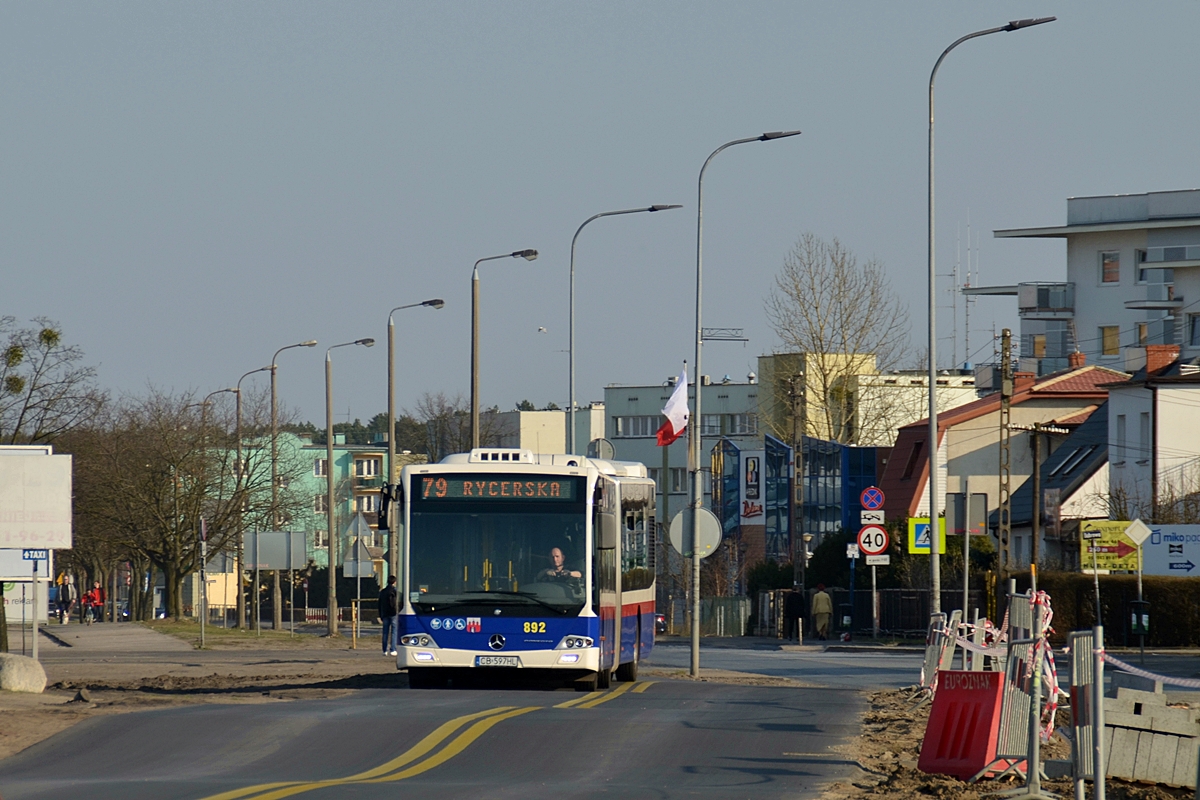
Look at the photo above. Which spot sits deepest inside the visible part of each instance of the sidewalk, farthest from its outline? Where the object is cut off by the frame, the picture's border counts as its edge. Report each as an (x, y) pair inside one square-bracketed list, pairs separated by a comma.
[(808, 646), (113, 637)]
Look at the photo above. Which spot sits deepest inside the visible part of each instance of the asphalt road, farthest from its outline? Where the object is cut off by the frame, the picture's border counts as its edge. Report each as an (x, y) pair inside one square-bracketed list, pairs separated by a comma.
[(653, 739)]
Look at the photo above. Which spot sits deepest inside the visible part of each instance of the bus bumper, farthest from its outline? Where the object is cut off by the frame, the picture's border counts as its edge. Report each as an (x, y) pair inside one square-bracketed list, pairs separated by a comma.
[(584, 658)]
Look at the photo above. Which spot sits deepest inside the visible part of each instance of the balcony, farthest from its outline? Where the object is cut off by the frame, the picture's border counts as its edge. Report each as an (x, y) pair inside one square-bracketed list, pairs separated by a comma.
[(372, 482), (1046, 300), (1174, 257), (1159, 297)]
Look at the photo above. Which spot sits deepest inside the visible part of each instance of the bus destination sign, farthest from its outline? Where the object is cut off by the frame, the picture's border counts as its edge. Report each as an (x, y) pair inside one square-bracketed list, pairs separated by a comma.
[(495, 487)]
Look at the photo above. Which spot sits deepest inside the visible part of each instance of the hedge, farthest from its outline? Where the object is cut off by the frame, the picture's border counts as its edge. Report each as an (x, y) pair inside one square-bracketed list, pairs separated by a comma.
[(1174, 606)]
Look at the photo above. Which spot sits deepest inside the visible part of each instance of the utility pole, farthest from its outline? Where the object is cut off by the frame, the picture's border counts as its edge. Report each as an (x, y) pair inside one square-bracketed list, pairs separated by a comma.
[(1006, 392)]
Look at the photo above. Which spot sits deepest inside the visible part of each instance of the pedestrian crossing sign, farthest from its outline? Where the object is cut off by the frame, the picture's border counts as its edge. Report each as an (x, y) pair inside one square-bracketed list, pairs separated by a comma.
[(918, 535)]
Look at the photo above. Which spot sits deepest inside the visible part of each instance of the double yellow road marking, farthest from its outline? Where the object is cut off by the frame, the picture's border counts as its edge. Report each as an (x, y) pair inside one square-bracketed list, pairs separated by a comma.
[(424, 755)]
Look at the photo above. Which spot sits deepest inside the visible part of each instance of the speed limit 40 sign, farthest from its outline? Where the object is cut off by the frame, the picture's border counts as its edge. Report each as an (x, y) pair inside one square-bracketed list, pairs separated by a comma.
[(872, 540)]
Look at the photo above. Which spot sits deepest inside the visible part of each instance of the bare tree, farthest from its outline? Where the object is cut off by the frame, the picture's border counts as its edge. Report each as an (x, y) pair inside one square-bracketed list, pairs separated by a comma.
[(447, 422), (842, 319), (44, 388)]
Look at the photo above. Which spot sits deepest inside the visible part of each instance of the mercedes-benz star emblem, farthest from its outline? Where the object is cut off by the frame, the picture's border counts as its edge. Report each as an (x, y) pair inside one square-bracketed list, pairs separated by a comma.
[(496, 642)]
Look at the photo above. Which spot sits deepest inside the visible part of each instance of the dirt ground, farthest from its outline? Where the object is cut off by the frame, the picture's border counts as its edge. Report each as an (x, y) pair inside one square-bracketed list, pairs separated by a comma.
[(888, 748)]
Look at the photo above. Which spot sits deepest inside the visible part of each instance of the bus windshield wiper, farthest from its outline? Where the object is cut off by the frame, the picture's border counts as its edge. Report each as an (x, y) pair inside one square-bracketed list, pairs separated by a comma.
[(524, 595)]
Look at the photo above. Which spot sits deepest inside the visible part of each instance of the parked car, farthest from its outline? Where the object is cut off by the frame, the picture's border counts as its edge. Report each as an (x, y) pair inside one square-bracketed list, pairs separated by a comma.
[(660, 623)]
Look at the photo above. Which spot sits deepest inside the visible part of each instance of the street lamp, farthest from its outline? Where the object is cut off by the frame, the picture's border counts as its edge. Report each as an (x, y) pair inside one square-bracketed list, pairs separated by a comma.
[(935, 575), (329, 507), (571, 346), (240, 475), (393, 548), (528, 255), (203, 535), (276, 597), (693, 429)]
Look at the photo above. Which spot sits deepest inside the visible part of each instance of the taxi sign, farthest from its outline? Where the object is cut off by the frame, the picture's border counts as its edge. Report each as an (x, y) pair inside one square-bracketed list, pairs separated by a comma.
[(35, 555)]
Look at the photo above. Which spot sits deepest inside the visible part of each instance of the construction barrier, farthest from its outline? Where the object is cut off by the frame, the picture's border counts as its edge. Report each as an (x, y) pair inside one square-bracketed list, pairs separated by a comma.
[(960, 739), (939, 648), (1080, 644)]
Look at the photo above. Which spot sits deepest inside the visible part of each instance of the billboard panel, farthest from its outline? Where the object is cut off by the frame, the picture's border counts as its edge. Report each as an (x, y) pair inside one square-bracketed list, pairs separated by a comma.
[(35, 501)]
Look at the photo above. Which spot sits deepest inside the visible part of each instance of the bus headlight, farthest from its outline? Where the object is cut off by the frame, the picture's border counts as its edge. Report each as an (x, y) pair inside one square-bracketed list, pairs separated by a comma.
[(573, 642), (417, 640)]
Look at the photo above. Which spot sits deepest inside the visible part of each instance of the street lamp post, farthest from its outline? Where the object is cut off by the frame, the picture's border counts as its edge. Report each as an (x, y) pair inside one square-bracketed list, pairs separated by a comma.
[(935, 575), (329, 506), (203, 534), (240, 479), (393, 547), (571, 444), (528, 255), (276, 596), (694, 424)]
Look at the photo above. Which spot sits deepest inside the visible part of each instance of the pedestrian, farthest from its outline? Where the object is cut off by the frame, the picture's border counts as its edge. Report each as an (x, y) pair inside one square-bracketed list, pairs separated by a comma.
[(94, 602), (387, 615), (66, 598), (822, 610), (793, 613)]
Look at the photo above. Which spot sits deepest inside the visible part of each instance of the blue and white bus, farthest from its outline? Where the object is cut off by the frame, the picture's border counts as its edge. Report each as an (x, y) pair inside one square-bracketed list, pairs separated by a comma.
[(519, 561)]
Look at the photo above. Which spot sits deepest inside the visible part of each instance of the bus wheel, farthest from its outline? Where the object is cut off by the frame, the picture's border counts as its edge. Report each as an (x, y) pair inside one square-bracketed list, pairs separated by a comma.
[(627, 673), (603, 679), (587, 684)]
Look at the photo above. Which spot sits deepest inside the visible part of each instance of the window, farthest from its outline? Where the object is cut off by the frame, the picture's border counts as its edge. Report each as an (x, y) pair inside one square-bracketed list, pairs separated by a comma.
[(1121, 441), (743, 424), (1110, 340), (1143, 333), (319, 467), (1144, 434), (679, 479), (1194, 330), (320, 503), (1110, 267), (240, 468), (913, 458), (710, 424), (636, 427), (366, 467), (1039, 346), (321, 539), (366, 503)]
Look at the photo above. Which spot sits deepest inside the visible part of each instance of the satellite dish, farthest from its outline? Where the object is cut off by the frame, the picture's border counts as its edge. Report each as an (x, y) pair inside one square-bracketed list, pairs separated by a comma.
[(601, 448)]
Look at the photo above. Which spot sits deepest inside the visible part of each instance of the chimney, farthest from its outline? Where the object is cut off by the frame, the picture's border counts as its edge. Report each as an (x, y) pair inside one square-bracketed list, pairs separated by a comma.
[(1076, 360), (1023, 380), (1160, 356)]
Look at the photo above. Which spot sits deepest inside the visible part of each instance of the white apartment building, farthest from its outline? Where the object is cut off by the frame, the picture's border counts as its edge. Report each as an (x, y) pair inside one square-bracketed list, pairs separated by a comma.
[(546, 431), (1132, 279)]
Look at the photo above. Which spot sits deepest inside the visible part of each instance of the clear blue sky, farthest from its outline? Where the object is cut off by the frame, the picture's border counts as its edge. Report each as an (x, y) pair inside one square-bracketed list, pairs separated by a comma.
[(189, 186)]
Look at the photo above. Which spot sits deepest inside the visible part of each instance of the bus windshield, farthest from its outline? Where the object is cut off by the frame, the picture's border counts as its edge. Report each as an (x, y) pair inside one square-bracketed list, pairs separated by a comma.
[(510, 545)]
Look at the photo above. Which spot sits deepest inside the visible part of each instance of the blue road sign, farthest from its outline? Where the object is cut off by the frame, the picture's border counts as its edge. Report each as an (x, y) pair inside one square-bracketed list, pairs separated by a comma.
[(35, 555), (871, 498)]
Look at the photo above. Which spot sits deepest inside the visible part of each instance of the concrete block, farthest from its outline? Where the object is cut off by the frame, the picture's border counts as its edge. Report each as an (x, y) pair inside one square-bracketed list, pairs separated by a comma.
[(1177, 724), (1122, 748), (21, 674), (1121, 679), (1141, 762), (1185, 763), (1163, 748), (1057, 768)]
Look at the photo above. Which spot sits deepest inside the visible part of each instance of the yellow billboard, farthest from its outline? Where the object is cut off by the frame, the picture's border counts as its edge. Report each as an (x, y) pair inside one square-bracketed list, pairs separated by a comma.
[(1113, 549)]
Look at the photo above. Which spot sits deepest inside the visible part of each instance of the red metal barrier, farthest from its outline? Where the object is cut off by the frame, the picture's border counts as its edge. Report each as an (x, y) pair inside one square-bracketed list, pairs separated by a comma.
[(964, 722)]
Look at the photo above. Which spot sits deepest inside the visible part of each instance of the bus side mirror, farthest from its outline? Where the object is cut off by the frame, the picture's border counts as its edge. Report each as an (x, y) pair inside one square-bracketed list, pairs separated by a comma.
[(607, 535)]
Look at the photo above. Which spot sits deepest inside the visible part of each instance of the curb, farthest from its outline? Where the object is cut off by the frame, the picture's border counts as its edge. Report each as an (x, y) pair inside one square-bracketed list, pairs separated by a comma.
[(54, 637)]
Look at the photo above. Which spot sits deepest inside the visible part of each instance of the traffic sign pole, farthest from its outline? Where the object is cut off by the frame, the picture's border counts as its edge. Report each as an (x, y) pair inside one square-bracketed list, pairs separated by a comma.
[(35, 610), (967, 545), (874, 606)]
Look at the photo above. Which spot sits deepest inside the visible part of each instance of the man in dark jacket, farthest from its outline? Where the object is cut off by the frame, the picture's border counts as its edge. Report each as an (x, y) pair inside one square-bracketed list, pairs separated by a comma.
[(387, 614), (793, 613)]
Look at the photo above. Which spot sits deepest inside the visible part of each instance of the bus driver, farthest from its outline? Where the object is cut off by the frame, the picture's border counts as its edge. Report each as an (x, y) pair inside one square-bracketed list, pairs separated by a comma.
[(559, 570)]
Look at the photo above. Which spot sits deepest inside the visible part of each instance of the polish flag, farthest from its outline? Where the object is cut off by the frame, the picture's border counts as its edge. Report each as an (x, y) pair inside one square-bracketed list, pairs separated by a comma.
[(676, 412)]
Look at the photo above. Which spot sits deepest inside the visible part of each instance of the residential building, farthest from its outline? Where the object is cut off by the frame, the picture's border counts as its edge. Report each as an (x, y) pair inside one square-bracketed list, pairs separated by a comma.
[(546, 431), (1073, 481), (1154, 441), (830, 478), (1132, 279), (969, 439)]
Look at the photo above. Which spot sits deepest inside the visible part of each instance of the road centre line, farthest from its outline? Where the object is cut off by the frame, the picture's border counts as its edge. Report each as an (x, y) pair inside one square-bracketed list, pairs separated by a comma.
[(482, 721), (625, 687), (419, 750), (456, 746)]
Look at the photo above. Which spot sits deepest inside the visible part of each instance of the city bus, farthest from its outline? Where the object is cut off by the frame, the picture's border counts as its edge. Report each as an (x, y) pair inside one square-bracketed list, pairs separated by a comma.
[(516, 561)]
